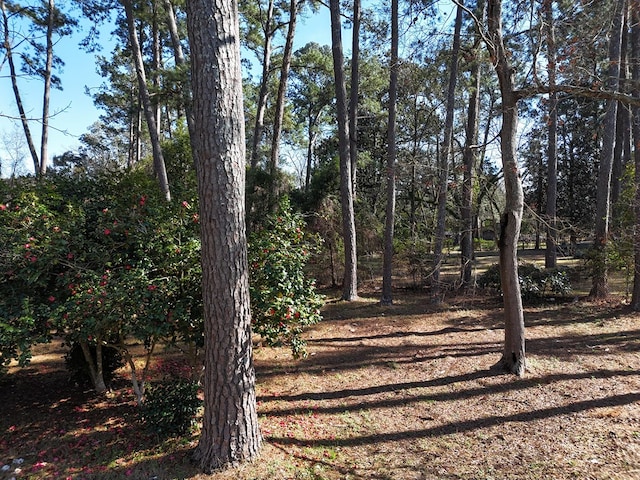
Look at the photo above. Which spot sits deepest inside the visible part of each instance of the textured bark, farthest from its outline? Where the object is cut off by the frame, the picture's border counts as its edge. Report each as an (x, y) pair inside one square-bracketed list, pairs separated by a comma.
[(635, 76), (230, 433), (158, 158), (445, 154), (551, 253), (350, 281), (387, 268), (600, 284), (513, 357)]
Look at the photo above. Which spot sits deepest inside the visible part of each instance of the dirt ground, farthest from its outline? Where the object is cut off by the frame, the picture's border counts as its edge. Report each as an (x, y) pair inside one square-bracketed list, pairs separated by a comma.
[(400, 392)]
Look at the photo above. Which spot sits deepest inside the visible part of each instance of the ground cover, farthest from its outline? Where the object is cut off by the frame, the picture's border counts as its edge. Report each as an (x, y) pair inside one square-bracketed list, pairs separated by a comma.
[(399, 392)]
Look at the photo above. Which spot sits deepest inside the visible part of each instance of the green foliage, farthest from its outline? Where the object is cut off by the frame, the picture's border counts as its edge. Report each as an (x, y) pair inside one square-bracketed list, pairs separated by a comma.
[(535, 282), (283, 300), (171, 406), (97, 259)]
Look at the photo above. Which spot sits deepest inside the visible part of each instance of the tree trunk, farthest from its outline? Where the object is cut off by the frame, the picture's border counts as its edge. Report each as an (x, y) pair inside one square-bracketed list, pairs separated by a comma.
[(551, 252), (353, 101), (230, 433), (600, 284), (469, 160), (621, 148), (180, 60), (282, 92), (16, 91), (95, 366), (387, 269), (46, 96), (445, 153), (350, 281), (158, 158), (635, 75), (261, 107), (513, 357)]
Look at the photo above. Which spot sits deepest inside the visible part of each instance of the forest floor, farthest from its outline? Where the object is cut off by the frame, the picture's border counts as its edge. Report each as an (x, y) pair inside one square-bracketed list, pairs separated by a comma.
[(405, 391)]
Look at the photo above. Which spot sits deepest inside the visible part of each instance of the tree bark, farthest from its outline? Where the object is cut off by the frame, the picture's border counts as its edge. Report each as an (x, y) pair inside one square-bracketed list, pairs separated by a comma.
[(551, 252), (350, 280), (158, 158), (513, 357), (230, 433), (600, 284), (387, 269), (445, 153)]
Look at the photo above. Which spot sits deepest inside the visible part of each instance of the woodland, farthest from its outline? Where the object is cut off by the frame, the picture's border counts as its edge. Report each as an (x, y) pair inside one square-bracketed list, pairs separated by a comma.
[(412, 254)]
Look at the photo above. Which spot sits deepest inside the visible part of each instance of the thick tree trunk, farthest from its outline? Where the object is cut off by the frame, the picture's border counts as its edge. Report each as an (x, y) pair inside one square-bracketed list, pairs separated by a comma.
[(350, 281), (551, 252), (230, 433), (600, 284), (635, 75), (158, 158), (513, 357), (387, 268), (469, 160), (445, 154)]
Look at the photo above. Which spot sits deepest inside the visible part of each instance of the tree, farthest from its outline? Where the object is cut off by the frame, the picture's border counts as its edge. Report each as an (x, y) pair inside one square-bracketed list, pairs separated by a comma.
[(513, 356), (551, 253), (350, 282), (635, 76), (600, 288), (46, 21), (230, 433), (355, 91), (387, 293), (294, 6), (152, 123), (469, 162), (445, 153)]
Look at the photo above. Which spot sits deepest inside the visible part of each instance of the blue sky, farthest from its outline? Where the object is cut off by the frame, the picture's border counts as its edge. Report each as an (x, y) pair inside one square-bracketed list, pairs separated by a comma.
[(72, 108)]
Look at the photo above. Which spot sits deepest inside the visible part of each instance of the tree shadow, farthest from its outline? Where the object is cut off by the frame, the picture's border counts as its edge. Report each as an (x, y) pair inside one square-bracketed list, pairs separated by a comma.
[(463, 426), (357, 396)]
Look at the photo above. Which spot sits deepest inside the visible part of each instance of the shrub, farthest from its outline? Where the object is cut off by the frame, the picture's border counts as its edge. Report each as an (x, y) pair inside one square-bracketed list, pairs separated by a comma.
[(283, 300), (535, 282), (171, 406)]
